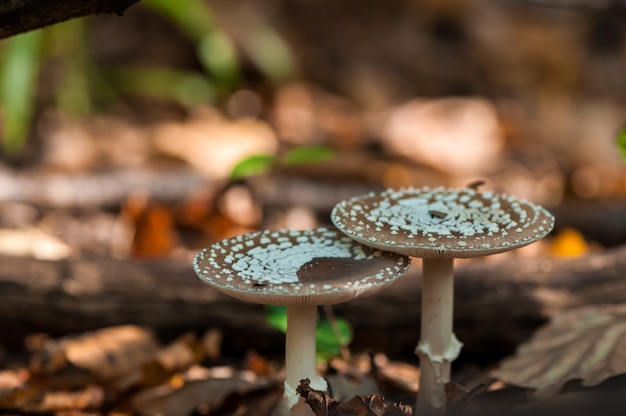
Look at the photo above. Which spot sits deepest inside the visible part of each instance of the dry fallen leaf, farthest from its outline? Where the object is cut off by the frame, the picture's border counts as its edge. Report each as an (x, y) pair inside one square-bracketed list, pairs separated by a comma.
[(90, 397), (19, 393), (258, 364), (396, 374), (587, 343), (212, 144), (461, 136), (13, 389), (155, 234), (32, 242), (205, 390), (374, 405), (460, 400), (304, 115), (569, 243), (212, 344), (177, 356), (107, 354)]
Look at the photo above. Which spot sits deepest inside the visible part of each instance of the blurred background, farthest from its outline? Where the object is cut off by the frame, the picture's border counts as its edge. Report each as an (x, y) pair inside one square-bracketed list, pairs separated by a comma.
[(179, 124), (159, 132)]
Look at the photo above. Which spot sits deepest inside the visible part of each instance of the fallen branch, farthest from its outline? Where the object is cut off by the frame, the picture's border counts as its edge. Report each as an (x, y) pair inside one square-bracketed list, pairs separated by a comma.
[(103, 189), (19, 16), (497, 304)]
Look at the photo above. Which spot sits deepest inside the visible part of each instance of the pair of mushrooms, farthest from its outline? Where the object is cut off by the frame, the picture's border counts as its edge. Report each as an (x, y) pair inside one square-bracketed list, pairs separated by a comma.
[(377, 234)]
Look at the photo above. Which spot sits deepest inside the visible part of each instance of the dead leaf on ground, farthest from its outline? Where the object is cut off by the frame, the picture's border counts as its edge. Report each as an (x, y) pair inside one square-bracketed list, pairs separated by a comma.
[(206, 390), (304, 115), (460, 400), (396, 374), (258, 364), (343, 386), (32, 242), (461, 136), (212, 144), (374, 405), (587, 343), (90, 397), (155, 234), (177, 356), (212, 344), (12, 387), (569, 243), (107, 354), (18, 393)]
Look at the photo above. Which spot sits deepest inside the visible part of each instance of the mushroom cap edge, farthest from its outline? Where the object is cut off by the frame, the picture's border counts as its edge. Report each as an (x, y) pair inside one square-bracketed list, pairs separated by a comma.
[(407, 236), (301, 257)]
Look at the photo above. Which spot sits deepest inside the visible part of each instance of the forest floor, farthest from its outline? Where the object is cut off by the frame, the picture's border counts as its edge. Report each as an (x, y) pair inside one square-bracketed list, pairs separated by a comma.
[(430, 96)]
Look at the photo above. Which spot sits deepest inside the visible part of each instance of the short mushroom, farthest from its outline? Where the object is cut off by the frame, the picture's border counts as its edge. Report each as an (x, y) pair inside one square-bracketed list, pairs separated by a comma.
[(300, 270), (439, 225)]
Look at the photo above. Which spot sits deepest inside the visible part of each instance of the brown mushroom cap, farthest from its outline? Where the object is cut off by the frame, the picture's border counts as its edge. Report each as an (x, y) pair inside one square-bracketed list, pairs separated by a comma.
[(291, 267), (442, 223)]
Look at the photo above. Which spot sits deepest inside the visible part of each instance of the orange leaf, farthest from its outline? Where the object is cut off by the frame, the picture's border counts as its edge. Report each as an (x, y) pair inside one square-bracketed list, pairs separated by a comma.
[(588, 344), (569, 243), (155, 234)]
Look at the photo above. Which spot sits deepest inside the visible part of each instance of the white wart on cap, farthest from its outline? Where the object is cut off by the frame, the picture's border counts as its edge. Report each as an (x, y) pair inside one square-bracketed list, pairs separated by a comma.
[(442, 223), (297, 267)]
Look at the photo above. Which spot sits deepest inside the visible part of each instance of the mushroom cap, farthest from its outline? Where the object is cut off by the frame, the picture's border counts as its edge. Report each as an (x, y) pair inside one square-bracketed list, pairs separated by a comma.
[(297, 267), (442, 223)]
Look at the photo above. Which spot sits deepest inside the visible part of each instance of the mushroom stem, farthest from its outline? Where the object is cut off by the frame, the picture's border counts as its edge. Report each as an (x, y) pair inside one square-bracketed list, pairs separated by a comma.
[(300, 356), (438, 346)]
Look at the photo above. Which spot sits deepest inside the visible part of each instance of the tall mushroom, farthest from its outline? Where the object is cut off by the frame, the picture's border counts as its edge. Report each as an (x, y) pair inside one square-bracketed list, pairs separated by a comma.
[(300, 270), (439, 225)]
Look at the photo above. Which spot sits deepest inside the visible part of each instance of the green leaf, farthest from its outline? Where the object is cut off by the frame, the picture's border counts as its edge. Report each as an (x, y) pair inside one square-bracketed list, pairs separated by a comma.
[(194, 17), (188, 88), (218, 55), (276, 317), (328, 341), (68, 43), (621, 143), (20, 67), (216, 51), (308, 154), (252, 165), (270, 52)]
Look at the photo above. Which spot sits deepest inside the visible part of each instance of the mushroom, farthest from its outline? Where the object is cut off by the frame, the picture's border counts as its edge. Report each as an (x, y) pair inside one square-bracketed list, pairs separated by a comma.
[(300, 270), (440, 225)]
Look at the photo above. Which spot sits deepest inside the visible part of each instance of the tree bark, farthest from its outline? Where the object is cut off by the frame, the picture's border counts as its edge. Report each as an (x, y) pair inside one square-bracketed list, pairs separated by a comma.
[(497, 304), (603, 222), (103, 189), (19, 16)]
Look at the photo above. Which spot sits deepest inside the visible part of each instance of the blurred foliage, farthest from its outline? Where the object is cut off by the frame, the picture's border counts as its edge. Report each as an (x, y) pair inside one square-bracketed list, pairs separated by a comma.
[(308, 154), (270, 53), (80, 85), (18, 80), (621, 143), (262, 163), (186, 88), (77, 86), (276, 317), (215, 49), (328, 340), (252, 165), (217, 52)]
